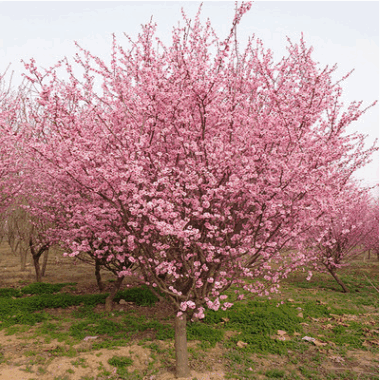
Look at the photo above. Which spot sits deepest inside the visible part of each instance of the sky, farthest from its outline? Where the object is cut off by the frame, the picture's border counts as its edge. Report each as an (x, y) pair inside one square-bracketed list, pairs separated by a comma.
[(342, 32)]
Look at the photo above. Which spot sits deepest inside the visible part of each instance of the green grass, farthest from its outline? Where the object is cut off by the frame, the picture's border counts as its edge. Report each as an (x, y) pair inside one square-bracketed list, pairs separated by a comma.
[(30, 310), (275, 374), (44, 288), (141, 296), (208, 335), (256, 321), (246, 336), (134, 324), (120, 361)]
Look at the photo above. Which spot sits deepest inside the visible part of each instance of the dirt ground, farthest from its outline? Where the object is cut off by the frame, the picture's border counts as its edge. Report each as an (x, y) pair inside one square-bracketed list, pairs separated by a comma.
[(25, 357), (17, 348)]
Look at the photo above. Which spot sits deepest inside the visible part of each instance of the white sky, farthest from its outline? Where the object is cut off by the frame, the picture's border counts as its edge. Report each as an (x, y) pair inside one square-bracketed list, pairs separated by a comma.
[(342, 32)]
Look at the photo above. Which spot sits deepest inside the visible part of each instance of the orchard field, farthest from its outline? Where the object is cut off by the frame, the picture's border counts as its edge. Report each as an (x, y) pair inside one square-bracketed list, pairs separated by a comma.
[(59, 330), (198, 173)]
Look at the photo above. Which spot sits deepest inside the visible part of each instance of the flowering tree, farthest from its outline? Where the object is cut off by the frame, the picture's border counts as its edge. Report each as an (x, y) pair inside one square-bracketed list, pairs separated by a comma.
[(8, 145), (196, 167), (345, 232), (372, 241)]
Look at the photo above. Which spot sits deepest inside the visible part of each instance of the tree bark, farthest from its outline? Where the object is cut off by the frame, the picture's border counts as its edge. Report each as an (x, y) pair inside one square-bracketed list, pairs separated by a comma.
[(109, 300), (37, 268), (182, 363), (369, 255), (36, 258), (44, 263), (98, 275), (339, 281), (23, 257)]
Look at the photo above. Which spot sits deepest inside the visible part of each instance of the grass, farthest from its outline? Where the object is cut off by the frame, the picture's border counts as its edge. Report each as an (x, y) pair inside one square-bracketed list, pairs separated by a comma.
[(121, 363), (257, 338), (16, 309), (341, 324)]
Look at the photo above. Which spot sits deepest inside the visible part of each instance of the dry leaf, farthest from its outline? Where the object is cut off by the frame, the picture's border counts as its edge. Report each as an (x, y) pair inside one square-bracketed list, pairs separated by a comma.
[(300, 315), (370, 343), (241, 344), (90, 338), (281, 332), (336, 359), (318, 343)]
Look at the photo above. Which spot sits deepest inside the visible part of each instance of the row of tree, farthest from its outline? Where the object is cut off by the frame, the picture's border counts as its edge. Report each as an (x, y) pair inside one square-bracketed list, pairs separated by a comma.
[(193, 167)]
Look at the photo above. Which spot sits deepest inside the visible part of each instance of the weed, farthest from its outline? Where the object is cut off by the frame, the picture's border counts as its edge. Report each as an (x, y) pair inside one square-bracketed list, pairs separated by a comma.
[(154, 347), (41, 371), (256, 321), (61, 351), (30, 310), (208, 335), (120, 361), (239, 364), (134, 324), (141, 296), (86, 311), (308, 372), (38, 359), (44, 288), (80, 362), (10, 292), (30, 353), (94, 328), (275, 373), (28, 368)]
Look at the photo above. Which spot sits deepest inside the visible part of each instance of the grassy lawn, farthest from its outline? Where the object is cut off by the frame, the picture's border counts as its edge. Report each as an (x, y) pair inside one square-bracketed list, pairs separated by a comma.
[(310, 331)]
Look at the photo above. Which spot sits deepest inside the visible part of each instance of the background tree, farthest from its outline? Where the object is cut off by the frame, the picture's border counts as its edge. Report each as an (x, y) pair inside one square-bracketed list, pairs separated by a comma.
[(8, 143), (195, 162), (345, 232), (372, 241)]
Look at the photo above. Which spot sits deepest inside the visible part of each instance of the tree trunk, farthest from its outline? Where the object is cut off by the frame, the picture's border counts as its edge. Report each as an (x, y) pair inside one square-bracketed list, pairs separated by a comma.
[(338, 280), (109, 300), (369, 255), (23, 257), (182, 363), (37, 268), (36, 258), (44, 263), (98, 275)]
